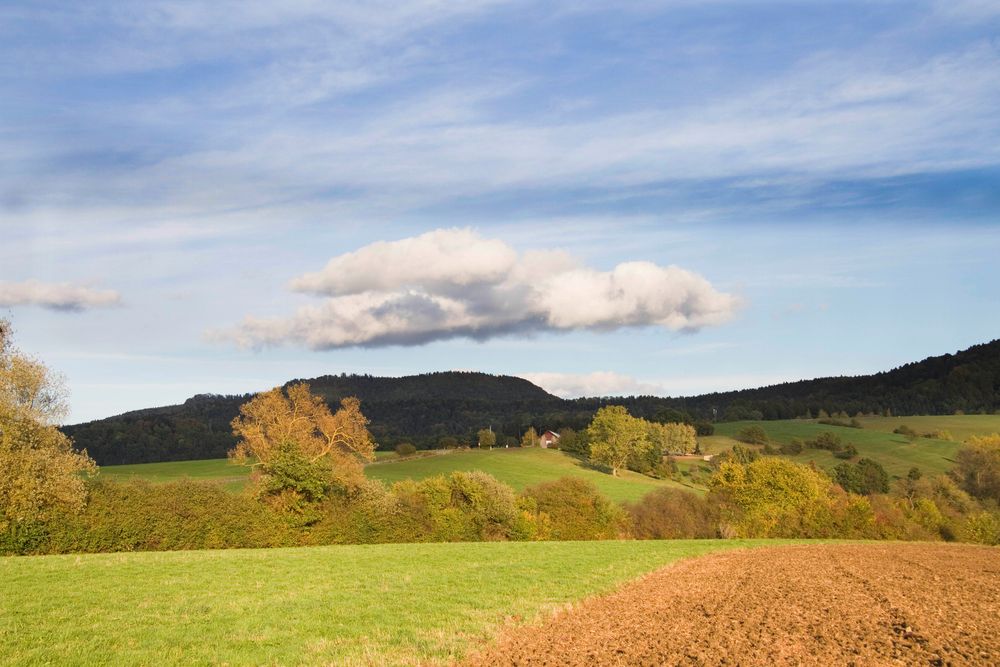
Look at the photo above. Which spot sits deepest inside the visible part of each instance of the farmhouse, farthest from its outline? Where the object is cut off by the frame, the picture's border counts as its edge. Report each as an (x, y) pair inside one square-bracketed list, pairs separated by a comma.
[(548, 439)]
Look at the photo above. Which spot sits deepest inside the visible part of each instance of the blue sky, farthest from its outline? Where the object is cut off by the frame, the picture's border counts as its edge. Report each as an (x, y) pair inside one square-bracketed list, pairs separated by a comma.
[(824, 176)]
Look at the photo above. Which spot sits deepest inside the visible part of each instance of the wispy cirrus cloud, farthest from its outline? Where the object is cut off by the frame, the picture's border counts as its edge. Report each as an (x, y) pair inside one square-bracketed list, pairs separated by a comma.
[(65, 297), (451, 283)]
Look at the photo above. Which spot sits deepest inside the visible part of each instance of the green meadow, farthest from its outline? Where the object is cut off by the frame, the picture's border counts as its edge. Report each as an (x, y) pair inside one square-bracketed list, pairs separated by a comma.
[(525, 467), (374, 604), (517, 467), (896, 453)]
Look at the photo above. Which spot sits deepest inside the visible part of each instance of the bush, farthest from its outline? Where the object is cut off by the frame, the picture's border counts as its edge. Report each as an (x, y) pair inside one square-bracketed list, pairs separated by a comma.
[(865, 477), (140, 516), (752, 435), (405, 449), (848, 452), (704, 428), (774, 497), (792, 448), (673, 514), (906, 431), (826, 440), (573, 509), (981, 528)]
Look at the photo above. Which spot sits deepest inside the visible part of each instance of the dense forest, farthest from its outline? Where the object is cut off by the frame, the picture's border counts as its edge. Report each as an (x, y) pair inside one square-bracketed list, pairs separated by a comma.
[(447, 408)]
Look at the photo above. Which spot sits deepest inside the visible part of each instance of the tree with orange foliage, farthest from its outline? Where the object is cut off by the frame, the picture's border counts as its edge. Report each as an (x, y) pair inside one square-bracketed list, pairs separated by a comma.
[(297, 449)]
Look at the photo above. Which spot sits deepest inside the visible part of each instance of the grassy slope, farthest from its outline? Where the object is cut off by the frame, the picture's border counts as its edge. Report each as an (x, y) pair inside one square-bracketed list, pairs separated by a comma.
[(379, 604), (517, 467), (896, 453), (520, 468)]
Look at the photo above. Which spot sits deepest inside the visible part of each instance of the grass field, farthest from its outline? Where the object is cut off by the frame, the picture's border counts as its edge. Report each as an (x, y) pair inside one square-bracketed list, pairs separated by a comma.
[(518, 467), (896, 453), (378, 604), (524, 467), (521, 468)]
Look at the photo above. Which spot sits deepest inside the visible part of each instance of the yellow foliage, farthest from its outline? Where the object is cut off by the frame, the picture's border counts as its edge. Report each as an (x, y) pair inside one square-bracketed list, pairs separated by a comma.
[(39, 469)]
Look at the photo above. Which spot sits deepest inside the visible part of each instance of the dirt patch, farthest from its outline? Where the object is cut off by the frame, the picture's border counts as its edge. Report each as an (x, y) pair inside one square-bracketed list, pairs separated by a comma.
[(816, 604)]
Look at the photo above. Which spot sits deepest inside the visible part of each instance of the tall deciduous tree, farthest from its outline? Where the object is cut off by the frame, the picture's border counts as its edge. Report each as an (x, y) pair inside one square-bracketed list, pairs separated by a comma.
[(39, 469), (530, 438), (299, 450), (616, 436), (487, 438)]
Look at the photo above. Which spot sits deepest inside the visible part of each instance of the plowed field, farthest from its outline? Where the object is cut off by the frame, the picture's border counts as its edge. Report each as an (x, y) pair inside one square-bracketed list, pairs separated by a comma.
[(816, 604)]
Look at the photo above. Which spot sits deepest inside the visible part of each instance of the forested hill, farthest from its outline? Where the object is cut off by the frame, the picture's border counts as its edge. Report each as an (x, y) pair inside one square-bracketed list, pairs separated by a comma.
[(424, 409), (421, 409)]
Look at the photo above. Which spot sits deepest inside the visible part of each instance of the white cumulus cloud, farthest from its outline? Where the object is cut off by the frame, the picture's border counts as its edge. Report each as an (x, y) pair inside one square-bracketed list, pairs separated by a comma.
[(451, 283), (598, 383), (56, 296)]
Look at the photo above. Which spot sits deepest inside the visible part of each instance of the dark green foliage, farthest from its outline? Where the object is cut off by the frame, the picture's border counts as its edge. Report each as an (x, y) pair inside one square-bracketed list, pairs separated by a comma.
[(573, 509), (906, 431), (848, 452), (753, 435), (833, 421), (826, 440), (864, 477), (574, 442), (672, 416), (673, 514), (405, 449), (914, 474), (703, 428)]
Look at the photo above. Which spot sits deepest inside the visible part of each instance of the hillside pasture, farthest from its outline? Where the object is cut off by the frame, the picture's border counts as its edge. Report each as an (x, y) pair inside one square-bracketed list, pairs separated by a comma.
[(521, 468), (378, 604), (517, 467), (896, 453)]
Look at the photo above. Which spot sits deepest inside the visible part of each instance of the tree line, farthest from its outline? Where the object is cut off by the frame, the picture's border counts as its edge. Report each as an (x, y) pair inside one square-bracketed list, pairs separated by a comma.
[(307, 487), (445, 409)]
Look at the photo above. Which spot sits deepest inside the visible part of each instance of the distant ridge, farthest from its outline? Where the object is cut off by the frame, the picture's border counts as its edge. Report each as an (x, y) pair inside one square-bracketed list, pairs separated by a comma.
[(425, 408)]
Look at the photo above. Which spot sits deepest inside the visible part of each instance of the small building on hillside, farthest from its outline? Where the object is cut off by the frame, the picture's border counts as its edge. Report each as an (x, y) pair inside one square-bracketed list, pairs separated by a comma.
[(549, 439)]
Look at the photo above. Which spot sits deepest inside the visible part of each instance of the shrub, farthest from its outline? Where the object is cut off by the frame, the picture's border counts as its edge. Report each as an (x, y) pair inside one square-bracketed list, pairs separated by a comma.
[(774, 497), (573, 509), (981, 528), (448, 442), (826, 440), (673, 514), (405, 449), (848, 452), (140, 516), (865, 477), (977, 467), (906, 431), (792, 448), (752, 435), (704, 428), (470, 506)]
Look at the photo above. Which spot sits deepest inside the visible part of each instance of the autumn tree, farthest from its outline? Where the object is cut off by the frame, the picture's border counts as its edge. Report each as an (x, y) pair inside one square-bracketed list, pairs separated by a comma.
[(674, 437), (616, 436), (530, 438), (40, 472), (297, 449), (977, 467), (487, 438)]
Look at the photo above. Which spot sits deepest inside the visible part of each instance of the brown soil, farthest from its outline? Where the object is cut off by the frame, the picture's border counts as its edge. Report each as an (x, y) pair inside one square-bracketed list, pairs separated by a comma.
[(870, 604)]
